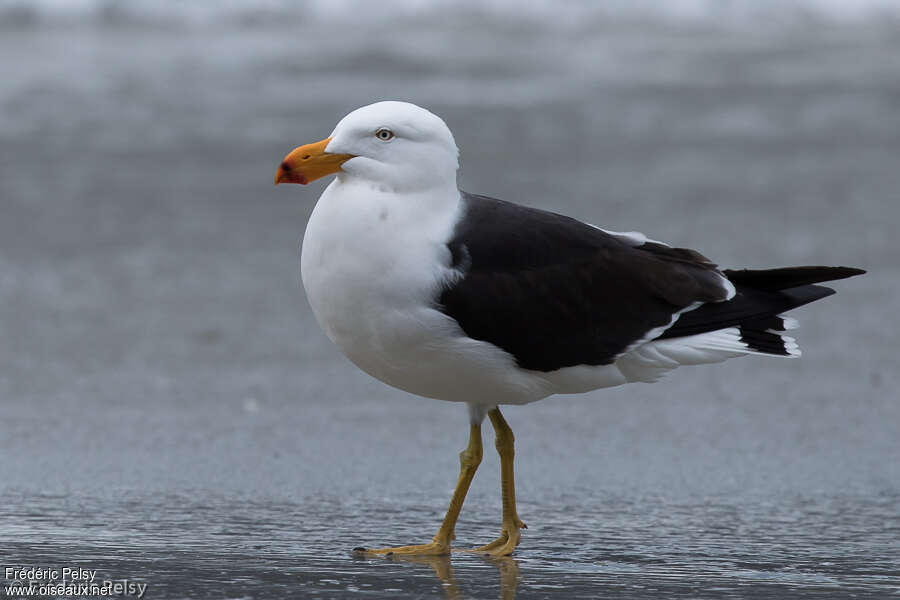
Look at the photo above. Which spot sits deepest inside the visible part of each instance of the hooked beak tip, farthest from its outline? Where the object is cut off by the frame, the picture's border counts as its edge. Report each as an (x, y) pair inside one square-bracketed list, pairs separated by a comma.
[(285, 174), (308, 163)]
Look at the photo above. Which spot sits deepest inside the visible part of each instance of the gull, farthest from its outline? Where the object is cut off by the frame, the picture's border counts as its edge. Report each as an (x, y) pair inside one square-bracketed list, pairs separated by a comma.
[(465, 298)]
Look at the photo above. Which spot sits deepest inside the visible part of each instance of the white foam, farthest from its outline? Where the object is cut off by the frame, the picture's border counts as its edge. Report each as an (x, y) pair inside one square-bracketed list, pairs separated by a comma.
[(545, 13)]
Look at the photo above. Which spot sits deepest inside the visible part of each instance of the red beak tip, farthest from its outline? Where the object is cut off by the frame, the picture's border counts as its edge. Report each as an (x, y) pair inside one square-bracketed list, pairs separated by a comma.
[(288, 176)]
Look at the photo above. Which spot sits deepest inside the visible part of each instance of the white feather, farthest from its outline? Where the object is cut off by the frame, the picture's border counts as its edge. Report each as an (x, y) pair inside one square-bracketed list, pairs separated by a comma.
[(375, 255)]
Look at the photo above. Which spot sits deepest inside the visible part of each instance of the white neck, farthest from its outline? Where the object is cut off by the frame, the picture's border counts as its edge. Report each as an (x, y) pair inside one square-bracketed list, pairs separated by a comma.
[(367, 252)]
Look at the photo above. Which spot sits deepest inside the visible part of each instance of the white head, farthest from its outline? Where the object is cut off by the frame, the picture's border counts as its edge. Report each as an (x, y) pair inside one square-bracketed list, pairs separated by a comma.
[(391, 145)]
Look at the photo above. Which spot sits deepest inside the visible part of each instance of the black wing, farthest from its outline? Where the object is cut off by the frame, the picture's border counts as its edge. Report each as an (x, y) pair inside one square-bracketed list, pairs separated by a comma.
[(555, 292), (755, 309)]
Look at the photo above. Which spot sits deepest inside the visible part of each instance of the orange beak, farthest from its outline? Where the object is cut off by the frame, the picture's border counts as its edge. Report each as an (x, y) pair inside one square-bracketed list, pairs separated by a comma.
[(308, 163)]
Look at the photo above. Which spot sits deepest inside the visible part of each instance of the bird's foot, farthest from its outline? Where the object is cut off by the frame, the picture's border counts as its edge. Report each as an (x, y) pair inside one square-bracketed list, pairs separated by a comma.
[(432, 548), (506, 543)]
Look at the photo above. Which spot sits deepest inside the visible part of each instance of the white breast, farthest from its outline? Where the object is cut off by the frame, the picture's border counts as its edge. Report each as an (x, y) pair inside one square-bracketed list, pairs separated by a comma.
[(373, 263), (367, 254)]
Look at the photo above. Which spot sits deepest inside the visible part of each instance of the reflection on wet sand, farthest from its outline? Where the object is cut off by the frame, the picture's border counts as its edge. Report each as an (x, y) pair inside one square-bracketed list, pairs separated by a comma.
[(442, 566)]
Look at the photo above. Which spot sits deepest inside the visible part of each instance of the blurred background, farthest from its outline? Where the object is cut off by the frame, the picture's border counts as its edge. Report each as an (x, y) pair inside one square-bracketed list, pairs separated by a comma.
[(171, 413)]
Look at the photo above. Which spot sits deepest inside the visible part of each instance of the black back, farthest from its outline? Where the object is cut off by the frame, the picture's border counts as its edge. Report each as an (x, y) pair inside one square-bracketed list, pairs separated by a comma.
[(556, 292)]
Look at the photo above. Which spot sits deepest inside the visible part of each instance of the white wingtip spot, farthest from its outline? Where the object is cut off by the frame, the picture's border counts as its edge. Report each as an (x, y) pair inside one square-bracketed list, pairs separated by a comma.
[(790, 346), (790, 322)]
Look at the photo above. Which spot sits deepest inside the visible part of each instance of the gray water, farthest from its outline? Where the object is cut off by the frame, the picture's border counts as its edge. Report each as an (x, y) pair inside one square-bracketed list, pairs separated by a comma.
[(171, 414)]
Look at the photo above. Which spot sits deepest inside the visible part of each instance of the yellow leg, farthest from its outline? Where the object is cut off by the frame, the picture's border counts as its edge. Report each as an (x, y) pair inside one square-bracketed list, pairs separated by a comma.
[(510, 523), (469, 459)]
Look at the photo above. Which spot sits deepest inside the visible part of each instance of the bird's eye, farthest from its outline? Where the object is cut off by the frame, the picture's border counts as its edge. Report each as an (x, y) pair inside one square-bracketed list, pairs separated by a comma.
[(384, 134)]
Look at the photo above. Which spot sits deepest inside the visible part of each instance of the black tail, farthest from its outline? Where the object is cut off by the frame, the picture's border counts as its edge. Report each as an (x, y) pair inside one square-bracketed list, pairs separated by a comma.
[(762, 295), (788, 277)]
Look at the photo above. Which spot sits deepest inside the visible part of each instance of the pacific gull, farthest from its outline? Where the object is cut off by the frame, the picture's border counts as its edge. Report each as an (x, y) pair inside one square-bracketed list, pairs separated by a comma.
[(461, 297)]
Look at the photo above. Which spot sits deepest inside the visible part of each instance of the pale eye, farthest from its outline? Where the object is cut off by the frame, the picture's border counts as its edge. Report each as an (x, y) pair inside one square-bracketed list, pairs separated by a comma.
[(384, 134)]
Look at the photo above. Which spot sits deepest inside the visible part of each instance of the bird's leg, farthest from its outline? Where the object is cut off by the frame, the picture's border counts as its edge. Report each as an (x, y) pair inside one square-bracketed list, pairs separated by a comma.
[(469, 459), (511, 523)]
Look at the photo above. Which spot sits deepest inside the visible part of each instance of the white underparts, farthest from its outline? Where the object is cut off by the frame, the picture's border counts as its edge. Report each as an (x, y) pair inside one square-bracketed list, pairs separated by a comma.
[(654, 359)]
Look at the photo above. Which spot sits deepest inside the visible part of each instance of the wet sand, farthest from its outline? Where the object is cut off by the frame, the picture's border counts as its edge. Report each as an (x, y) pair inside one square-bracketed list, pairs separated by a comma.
[(172, 414)]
